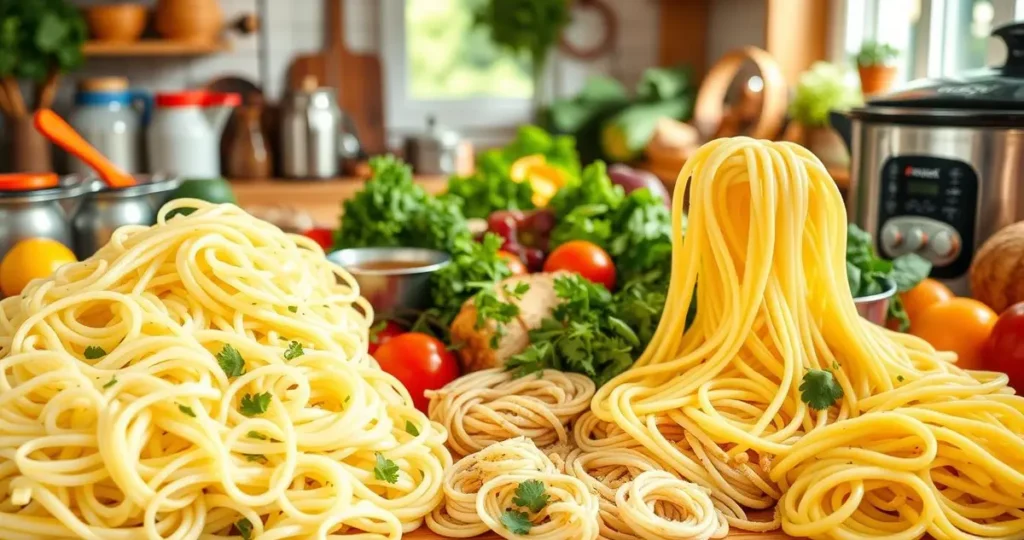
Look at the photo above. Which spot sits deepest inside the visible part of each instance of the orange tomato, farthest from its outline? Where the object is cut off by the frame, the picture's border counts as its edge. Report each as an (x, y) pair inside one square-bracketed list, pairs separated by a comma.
[(923, 296), (30, 259), (961, 325)]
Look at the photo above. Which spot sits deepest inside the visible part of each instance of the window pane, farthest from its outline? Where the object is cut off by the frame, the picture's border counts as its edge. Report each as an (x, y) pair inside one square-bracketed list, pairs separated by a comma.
[(969, 25), (899, 24), (448, 59)]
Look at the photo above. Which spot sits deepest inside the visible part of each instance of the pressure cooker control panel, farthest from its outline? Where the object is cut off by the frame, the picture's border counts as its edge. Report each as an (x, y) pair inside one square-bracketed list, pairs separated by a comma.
[(928, 206)]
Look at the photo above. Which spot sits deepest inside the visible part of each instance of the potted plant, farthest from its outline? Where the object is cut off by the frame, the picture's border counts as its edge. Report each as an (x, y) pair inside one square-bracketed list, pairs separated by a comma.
[(530, 27), (39, 40), (822, 89), (875, 65)]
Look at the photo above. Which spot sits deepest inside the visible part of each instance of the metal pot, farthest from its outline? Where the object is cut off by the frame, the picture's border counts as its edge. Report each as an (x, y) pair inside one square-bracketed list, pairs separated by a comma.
[(316, 135), (36, 213), (435, 152), (391, 290), (936, 166), (105, 209)]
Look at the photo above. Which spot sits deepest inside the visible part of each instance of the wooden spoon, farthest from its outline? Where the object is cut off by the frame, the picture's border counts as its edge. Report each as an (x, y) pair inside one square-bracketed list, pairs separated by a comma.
[(60, 133)]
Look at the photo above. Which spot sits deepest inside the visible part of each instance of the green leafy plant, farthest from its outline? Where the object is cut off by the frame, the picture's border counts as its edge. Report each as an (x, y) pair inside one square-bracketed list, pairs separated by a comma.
[(876, 54), (823, 88), (530, 27), (39, 40), (869, 274)]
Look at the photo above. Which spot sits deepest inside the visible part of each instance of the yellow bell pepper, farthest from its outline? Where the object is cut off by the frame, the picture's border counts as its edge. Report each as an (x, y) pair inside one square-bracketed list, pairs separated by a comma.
[(545, 179)]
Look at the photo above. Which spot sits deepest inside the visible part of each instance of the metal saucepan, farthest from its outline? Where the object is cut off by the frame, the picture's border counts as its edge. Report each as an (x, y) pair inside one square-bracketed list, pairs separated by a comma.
[(392, 279)]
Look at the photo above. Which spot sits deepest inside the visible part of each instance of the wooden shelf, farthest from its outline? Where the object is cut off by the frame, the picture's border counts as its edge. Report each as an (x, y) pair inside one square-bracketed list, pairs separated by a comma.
[(321, 199), (153, 47)]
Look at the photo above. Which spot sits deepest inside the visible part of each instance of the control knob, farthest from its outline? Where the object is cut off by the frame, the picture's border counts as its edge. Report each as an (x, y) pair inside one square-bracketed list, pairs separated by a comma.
[(915, 240), (892, 237), (945, 244)]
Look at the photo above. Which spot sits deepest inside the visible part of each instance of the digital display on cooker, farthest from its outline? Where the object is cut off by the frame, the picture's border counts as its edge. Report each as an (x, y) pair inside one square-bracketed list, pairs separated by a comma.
[(926, 189)]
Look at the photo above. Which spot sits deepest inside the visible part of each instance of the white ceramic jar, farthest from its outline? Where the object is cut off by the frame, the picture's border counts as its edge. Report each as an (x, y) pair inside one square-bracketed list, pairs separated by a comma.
[(110, 117), (184, 136)]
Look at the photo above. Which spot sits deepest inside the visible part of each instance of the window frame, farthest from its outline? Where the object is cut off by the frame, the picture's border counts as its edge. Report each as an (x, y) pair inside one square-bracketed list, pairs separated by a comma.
[(857, 22), (404, 114)]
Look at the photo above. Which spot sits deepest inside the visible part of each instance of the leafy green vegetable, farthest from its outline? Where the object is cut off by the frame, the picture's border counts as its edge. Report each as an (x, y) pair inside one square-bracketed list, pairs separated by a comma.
[(640, 303), (293, 309), (531, 494), (585, 333), (490, 188), (255, 405), (625, 135), (385, 469), (294, 351), (666, 83), (873, 53), (93, 352), (820, 90), (231, 361), (820, 389), (474, 265), (392, 210), (411, 429), (40, 37), (558, 150), (186, 410), (530, 27), (111, 382), (516, 522), (244, 528), (594, 188), (869, 274)]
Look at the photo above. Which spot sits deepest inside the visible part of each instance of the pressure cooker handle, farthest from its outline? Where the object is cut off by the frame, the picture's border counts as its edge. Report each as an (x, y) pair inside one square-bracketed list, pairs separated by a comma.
[(1013, 36)]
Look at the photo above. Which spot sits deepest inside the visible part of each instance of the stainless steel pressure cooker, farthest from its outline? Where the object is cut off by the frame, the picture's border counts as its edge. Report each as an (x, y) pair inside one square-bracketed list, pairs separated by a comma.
[(936, 167)]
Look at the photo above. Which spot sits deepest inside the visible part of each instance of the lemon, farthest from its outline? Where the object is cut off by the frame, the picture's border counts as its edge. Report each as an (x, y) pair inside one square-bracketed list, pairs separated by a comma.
[(30, 259)]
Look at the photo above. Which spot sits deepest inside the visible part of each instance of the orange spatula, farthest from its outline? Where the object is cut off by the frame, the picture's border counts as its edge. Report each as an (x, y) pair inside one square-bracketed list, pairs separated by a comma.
[(63, 135)]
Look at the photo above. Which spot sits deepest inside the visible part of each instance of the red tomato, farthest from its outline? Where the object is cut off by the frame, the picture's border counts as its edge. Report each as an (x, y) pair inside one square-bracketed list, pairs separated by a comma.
[(1005, 350), (585, 259), (324, 237), (514, 263), (384, 335), (420, 362)]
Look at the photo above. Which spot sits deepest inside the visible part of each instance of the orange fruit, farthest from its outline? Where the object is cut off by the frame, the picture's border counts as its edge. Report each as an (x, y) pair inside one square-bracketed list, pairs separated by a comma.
[(923, 296), (961, 325), (30, 259)]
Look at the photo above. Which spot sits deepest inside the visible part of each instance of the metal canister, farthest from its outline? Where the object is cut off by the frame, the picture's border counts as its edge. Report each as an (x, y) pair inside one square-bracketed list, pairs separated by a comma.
[(106, 209), (39, 212), (435, 152), (316, 135)]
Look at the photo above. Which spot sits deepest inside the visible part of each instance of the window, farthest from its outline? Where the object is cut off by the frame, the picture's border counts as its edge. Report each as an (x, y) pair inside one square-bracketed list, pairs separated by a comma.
[(437, 65), (936, 38)]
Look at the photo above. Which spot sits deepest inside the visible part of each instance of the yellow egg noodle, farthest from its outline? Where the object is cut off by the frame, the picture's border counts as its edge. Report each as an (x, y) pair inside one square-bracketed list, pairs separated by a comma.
[(481, 486), (204, 374), (490, 406), (639, 499), (915, 446)]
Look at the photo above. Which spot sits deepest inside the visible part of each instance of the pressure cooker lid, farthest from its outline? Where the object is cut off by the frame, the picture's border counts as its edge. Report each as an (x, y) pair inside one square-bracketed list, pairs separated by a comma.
[(972, 96)]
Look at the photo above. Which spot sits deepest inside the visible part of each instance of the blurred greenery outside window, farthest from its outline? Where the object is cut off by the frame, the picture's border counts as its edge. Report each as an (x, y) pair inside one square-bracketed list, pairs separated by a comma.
[(448, 59)]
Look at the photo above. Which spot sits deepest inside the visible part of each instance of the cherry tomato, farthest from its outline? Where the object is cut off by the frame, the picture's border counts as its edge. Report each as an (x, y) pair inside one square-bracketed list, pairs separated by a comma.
[(585, 259), (324, 237), (1005, 351), (514, 263), (383, 335), (922, 296), (420, 362), (961, 325)]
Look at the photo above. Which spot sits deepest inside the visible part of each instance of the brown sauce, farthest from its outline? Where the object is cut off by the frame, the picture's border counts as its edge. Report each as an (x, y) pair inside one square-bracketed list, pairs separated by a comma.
[(389, 265)]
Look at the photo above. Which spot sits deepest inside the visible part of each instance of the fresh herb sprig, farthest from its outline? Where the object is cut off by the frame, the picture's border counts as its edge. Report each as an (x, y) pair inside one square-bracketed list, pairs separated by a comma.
[(868, 274)]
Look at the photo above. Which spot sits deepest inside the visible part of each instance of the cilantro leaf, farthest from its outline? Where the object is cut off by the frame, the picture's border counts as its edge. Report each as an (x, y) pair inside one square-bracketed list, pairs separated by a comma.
[(244, 528), (93, 352), (255, 405), (186, 410), (531, 494), (491, 308), (293, 309), (490, 188), (294, 351), (231, 361), (256, 435), (258, 458), (385, 469), (516, 522), (411, 429), (111, 382), (473, 264), (820, 389)]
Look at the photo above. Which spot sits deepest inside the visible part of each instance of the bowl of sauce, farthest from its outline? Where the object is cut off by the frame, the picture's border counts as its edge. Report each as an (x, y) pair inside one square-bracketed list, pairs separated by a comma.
[(392, 279)]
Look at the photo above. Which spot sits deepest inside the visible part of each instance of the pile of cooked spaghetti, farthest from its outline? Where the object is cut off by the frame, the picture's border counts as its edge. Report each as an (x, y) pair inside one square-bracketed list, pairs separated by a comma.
[(205, 376)]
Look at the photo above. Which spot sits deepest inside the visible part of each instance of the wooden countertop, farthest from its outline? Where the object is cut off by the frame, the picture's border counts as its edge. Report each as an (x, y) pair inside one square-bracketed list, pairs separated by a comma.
[(321, 199)]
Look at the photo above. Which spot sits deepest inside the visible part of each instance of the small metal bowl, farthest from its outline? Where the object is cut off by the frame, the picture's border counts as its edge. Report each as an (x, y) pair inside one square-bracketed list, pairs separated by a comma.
[(392, 289), (875, 308)]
